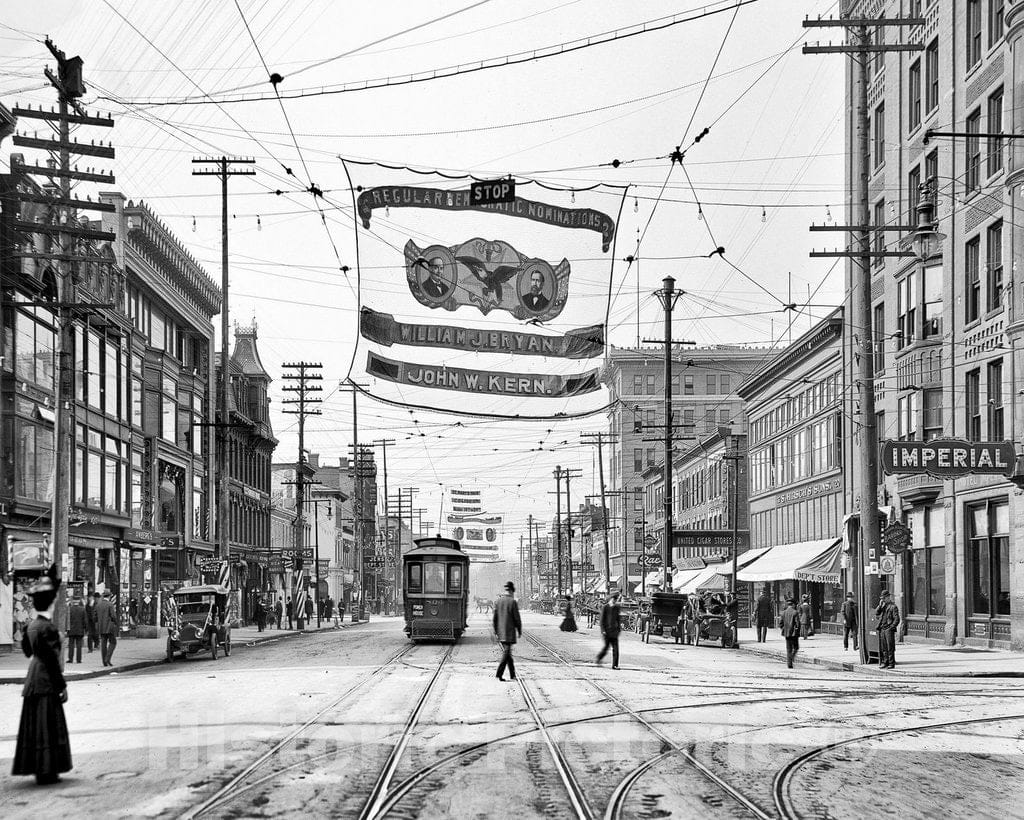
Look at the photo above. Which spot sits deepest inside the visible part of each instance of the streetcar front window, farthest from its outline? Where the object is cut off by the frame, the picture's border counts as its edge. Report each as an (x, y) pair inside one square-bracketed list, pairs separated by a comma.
[(454, 578), (433, 578), (415, 577)]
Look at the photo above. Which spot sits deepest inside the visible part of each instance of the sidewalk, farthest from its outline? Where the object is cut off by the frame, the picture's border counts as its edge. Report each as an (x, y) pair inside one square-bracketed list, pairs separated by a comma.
[(925, 660), (139, 653)]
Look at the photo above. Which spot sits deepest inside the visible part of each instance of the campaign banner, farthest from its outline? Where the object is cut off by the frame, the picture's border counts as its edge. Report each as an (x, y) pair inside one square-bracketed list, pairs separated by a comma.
[(383, 328), (487, 274), (497, 308), (482, 381), (409, 196)]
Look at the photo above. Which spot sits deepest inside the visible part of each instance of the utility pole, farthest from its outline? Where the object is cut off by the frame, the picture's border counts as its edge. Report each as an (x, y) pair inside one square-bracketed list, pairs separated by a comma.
[(558, 523), (384, 442), (600, 439), (733, 456), (223, 170), (308, 378), (567, 473), (533, 546), (859, 324), (65, 258)]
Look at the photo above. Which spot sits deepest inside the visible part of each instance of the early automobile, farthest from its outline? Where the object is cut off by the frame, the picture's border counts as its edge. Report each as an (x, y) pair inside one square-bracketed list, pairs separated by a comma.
[(199, 622)]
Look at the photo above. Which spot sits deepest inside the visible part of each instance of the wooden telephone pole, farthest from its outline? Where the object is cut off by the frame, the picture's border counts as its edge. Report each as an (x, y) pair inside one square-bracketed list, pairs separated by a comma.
[(862, 44), (63, 258), (223, 171), (600, 439)]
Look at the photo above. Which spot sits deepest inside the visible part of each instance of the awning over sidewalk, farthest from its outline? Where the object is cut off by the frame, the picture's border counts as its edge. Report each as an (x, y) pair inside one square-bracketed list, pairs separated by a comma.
[(683, 577), (702, 580), (655, 578), (826, 568), (782, 562), (743, 559)]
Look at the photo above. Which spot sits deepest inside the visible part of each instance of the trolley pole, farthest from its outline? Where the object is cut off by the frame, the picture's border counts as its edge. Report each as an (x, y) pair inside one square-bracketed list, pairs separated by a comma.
[(558, 523), (667, 296)]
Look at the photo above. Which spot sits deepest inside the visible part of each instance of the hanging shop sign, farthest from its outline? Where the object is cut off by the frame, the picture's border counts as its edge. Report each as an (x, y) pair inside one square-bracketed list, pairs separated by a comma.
[(583, 343), (488, 274), (408, 196), (690, 563), (896, 537), (482, 381), (948, 458), (651, 561), (722, 539)]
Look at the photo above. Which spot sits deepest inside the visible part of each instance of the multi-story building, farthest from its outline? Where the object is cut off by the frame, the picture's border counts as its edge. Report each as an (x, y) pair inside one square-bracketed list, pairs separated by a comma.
[(141, 468), (250, 449), (798, 413), (704, 397), (947, 316)]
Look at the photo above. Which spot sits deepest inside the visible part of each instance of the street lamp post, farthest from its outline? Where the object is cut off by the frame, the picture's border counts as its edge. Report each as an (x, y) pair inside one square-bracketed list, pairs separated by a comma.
[(668, 296)]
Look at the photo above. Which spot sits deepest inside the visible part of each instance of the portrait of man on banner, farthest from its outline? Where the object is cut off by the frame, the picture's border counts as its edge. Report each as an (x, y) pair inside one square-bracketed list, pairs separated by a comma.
[(436, 274), (535, 294)]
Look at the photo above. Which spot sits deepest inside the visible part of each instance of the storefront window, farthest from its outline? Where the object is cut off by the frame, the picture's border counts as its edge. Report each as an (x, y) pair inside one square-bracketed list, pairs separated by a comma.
[(170, 489), (34, 460), (989, 559), (169, 411), (93, 378)]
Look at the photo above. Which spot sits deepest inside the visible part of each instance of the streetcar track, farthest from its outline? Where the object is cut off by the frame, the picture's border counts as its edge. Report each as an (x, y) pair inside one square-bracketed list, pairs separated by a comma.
[(236, 786), (783, 778), (378, 794), (614, 809)]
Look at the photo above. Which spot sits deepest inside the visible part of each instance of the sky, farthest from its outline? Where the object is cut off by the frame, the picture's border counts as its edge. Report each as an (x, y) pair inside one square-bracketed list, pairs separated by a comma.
[(520, 93)]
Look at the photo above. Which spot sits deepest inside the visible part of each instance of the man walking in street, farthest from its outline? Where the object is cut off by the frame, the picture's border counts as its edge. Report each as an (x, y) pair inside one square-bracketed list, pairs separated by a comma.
[(507, 626), (849, 621), (290, 611), (77, 625), (790, 624), (765, 615), (107, 626), (888, 615), (309, 609), (278, 611), (610, 629)]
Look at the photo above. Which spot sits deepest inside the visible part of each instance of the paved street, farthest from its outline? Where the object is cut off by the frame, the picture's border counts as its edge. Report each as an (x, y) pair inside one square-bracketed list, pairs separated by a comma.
[(360, 723)]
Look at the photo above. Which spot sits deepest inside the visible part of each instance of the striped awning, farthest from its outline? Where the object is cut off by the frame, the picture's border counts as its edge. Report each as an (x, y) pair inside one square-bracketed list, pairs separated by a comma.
[(825, 569), (781, 563)]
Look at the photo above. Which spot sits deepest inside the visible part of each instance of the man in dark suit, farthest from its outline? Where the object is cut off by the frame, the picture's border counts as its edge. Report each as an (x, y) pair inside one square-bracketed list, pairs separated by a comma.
[(107, 626), (888, 615), (765, 615), (610, 629), (535, 300), (507, 626), (849, 621), (435, 286), (77, 625), (790, 624)]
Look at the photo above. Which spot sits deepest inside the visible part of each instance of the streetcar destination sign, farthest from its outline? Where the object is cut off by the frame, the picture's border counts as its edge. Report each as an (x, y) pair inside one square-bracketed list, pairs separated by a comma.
[(948, 458)]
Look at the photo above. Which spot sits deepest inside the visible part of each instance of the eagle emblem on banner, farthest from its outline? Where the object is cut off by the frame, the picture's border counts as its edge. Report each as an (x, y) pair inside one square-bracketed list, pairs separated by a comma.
[(488, 274)]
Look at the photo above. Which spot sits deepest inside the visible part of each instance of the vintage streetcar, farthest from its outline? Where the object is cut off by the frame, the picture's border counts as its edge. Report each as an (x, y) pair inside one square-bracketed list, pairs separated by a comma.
[(436, 590)]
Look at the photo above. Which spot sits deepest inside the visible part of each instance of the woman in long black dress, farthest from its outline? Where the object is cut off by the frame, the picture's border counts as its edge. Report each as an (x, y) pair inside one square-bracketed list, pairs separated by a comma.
[(43, 747), (569, 621)]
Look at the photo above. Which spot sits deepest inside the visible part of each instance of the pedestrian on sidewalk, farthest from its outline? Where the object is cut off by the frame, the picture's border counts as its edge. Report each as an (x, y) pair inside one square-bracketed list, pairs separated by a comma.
[(849, 621), (309, 609), (107, 626), (806, 617), (569, 621), (610, 629), (290, 610), (76, 629), (278, 611), (261, 616), (43, 748), (93, 641), (790, 625), (507, 626), (765, 615), (888, 615)]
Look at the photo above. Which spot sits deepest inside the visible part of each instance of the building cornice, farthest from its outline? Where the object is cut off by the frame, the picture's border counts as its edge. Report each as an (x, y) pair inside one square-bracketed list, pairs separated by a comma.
[(803, 348)]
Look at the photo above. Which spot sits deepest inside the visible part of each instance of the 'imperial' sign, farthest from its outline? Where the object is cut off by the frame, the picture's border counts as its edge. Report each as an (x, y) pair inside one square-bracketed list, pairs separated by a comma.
[(948, 458)]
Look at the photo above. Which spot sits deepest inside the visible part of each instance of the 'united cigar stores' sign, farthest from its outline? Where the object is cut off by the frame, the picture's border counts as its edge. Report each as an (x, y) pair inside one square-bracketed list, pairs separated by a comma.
[(948, 458)]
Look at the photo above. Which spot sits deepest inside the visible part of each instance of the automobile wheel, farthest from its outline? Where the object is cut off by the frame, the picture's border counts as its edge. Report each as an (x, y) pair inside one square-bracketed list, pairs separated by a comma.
[(227, 644), (213, 646)]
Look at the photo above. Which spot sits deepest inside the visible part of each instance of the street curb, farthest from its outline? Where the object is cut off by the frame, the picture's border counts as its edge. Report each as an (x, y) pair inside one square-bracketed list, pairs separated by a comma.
[(868, 669), (132, 667)]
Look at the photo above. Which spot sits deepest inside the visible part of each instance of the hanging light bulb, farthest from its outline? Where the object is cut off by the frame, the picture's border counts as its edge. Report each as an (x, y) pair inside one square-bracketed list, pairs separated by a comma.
[(450, 200), (700, 214), (259, 223), (828, 214), (572, 196), (387, 211), (636, 205), (764, 215)]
